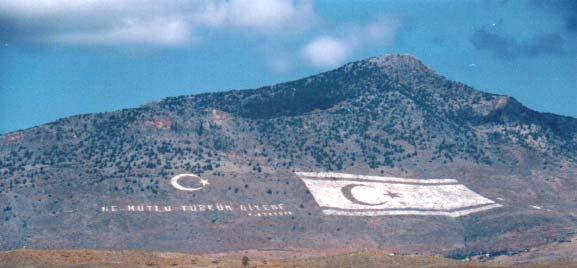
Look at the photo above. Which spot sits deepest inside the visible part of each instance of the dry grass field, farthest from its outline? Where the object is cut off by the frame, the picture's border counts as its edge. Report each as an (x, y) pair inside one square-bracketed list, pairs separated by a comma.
[(139, 259)]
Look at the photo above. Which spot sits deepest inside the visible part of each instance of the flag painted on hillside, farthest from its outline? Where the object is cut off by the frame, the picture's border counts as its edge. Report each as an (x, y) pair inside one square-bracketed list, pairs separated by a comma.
[(359, 195)]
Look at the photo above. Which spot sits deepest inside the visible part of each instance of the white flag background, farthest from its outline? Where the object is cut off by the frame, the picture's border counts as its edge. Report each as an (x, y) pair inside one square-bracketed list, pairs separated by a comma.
[(359, 195)]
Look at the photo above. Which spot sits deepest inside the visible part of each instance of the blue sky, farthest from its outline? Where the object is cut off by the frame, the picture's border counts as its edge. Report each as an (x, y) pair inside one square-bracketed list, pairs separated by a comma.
[(62, 57)]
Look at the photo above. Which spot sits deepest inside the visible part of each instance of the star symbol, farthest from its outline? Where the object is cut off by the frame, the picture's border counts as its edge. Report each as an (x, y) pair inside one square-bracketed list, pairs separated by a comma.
[(392, 195), (204, 182)]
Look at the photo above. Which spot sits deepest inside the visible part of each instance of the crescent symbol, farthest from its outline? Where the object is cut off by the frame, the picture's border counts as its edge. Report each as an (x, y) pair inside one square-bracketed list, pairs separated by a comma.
[(347, 192), (175, 184)]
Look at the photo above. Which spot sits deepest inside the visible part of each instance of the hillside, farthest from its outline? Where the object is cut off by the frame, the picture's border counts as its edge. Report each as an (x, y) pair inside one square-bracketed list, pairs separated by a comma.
[(384, 116)]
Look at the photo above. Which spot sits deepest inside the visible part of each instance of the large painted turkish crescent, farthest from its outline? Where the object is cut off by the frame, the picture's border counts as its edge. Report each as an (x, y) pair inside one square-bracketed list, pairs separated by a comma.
[(347, 192), (175, 184)]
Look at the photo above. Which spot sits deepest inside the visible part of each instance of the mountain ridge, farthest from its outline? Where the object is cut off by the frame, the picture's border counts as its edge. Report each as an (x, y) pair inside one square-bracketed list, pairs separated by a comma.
[(389, 116), (402, 62)]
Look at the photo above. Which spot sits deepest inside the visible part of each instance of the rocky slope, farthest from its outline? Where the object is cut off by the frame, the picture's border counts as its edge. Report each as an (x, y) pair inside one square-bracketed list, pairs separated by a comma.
[(385, 116)]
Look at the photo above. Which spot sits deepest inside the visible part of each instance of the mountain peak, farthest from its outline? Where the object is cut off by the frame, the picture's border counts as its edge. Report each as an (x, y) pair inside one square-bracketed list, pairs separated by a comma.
[(399, 62), (395, 59), (402, 66)]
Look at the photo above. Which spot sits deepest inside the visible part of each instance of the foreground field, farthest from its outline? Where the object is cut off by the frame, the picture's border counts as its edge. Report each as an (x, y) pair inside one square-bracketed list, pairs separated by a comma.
[(126, 259)]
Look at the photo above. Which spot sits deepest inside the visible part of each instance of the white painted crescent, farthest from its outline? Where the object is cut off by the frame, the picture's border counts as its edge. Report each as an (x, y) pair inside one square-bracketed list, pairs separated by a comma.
[(347, 192), (175, 184)]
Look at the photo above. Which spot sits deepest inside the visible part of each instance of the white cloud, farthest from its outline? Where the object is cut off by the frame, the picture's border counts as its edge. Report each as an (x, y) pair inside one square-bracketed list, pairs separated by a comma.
[(44, 8), (327, 52), (150, 22), (270, 15), (159, 31), (331, 51)]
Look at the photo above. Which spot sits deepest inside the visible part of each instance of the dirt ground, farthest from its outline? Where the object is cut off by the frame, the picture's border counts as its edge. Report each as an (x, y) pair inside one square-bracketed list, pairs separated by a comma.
[(126, 259)]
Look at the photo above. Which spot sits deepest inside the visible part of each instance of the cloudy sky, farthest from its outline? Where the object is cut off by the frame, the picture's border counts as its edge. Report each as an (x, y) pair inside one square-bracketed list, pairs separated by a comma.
[(66, 57)]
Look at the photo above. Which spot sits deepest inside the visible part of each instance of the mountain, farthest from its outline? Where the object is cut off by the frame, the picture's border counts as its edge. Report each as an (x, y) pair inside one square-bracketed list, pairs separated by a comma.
[(106, 181)]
